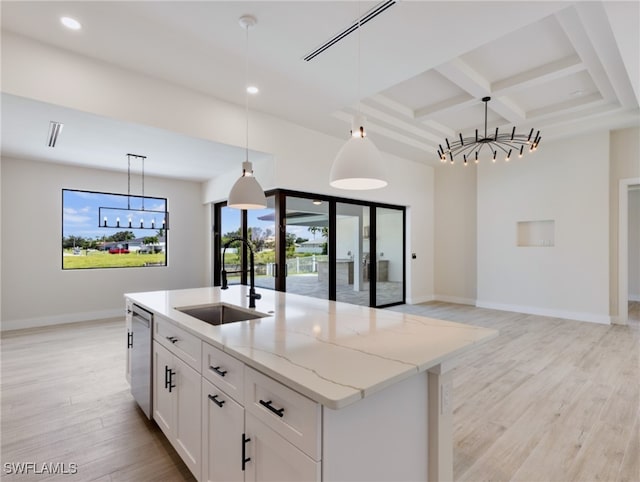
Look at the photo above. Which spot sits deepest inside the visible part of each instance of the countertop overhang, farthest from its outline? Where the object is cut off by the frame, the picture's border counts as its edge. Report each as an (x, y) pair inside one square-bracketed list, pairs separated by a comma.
[(334, 353)]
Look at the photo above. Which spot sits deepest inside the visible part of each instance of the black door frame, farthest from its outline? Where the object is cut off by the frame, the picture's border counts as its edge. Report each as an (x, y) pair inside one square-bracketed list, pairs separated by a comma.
[(280, 196)]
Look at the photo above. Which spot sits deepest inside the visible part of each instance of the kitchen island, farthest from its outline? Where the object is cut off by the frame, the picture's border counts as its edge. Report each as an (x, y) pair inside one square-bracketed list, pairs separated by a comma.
[(319, 390)]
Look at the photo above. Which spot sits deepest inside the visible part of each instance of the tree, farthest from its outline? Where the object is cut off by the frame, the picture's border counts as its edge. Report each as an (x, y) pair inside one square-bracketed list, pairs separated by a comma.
[(121, 236), (150, 240), (324, 231)]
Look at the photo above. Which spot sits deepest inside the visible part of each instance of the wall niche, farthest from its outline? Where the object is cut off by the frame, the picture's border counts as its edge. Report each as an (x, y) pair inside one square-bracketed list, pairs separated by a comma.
[(538, 234)]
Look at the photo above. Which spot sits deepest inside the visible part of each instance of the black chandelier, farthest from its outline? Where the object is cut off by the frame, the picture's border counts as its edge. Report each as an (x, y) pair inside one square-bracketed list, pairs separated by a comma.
[(470, 147), (106, 214)]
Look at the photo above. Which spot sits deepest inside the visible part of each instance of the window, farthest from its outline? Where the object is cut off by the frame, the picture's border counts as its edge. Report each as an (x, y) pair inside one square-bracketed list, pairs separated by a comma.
[(106, 230), (317, 245)]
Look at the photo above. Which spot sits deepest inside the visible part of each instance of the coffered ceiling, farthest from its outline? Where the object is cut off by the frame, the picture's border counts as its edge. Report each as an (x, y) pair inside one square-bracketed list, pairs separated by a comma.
[(561, 67)]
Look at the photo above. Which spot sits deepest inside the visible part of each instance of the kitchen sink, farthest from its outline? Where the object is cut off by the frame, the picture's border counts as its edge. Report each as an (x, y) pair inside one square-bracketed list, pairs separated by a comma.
[(220, 313)]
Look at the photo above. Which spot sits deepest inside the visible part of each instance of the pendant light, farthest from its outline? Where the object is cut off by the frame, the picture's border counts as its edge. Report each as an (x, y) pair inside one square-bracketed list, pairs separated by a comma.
[(247, 193), (359, 164)]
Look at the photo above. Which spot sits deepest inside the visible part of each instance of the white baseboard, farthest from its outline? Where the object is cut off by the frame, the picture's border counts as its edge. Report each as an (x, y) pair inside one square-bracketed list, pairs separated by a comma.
[(455, 299), (7, 325), (419, 299), (634, 297), (530, 310)]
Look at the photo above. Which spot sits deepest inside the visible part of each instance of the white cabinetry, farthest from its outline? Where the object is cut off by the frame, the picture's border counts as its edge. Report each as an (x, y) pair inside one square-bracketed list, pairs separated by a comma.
[(255, 428), (177, 392), (128, 316), (274, 458), (222, 431)]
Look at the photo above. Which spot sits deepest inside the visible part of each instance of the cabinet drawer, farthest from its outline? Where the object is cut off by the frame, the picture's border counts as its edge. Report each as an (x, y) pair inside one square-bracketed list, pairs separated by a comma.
[(224, 371), (294, 416), (185, 345)]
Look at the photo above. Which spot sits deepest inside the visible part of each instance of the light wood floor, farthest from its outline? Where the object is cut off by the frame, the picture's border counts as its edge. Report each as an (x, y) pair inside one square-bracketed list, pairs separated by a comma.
[(548, 400)]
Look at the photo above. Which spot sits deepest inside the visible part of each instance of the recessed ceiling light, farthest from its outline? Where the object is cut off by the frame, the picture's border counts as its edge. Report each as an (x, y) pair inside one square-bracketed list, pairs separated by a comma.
[(70, 23), (252, 89)]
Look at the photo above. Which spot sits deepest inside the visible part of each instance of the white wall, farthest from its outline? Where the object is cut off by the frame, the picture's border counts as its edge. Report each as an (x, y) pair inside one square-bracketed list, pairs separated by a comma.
[(455, 233), (634, 244), (35, 289), (566, 181)]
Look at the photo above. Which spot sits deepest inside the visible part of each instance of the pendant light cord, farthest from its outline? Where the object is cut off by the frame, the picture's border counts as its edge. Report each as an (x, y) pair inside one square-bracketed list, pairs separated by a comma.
[(246, 94), (361, 128)]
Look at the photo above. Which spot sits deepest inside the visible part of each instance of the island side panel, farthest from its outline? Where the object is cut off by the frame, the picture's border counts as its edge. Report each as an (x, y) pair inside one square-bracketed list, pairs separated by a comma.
[(381, 437), (441, 423)]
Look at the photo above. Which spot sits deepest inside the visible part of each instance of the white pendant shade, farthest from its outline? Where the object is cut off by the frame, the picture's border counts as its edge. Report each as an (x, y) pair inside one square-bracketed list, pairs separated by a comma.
[(358, 166), (247, 193)]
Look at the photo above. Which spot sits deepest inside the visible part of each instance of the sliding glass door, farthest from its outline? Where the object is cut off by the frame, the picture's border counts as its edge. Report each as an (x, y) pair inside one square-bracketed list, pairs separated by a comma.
[(319, 246), (307, 241), (352, 253), (389, 256)]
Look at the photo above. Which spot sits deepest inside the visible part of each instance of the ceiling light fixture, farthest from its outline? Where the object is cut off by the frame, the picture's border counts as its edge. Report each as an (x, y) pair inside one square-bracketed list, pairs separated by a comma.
[(507, 143), (128, 213), (359, 164), (252, 89), (247, 193), (70, 23)]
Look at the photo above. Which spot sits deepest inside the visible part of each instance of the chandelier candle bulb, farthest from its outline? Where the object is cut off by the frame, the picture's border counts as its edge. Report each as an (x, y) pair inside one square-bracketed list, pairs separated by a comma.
[(129, 222), (105, 221), (117, 222), (141, 223), (153, 223)]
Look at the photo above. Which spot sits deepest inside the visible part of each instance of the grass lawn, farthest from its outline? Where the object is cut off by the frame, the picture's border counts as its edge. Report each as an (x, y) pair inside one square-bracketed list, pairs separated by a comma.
[(101, 259)]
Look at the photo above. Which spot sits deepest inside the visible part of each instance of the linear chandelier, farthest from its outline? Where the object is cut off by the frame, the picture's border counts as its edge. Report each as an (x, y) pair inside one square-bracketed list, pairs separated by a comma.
[(471, 147), (106, 214)]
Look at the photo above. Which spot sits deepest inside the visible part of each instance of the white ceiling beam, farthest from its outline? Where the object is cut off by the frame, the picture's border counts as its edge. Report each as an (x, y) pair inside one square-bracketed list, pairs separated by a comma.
[(460, 102), (569, 107), (599, 31), (392, 104), (538, 75), (438, 127), (471, 81), (376, 128), (575, 32), (465, 77), (376, 114)]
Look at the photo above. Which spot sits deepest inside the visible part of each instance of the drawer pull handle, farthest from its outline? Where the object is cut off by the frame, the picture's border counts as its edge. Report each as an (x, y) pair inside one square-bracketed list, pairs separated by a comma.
[(278, 411), (218, 371), (214, 399), (130, 339), (245, 459), (172, 339), (171, 385)]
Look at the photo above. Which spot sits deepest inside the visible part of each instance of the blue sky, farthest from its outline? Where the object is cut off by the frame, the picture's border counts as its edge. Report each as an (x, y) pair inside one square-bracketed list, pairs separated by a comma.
[(80, 211)]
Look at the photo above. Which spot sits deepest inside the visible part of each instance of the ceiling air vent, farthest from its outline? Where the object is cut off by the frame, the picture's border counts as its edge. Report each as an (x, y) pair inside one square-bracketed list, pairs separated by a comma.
[(370, 15), (54, 131)]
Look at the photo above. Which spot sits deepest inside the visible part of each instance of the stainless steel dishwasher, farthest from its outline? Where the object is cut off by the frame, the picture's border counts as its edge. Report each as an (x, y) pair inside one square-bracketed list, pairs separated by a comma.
[(142, 358)]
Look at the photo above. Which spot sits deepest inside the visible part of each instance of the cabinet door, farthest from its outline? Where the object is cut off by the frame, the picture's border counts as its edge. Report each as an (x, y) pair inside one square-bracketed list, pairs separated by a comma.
[(128, 321), (222, 429), (187, 400), (275, 459), (163, 412)]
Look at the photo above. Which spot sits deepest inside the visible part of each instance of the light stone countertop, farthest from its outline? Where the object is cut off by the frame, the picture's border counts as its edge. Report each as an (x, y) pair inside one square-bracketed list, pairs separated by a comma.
[(334, 353)]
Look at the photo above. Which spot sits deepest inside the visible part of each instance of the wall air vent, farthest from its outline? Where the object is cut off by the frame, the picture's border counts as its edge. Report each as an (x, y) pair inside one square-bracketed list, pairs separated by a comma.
[(54, 131), (370, 15)]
